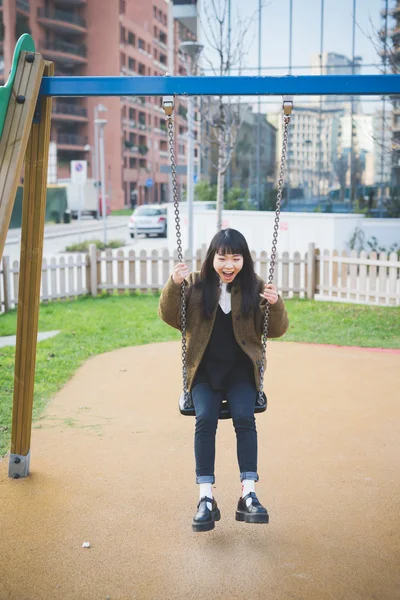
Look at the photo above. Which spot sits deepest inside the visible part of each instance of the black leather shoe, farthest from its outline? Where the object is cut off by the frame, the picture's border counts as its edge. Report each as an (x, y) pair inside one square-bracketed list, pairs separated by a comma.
[(204, 519), (255, 513)]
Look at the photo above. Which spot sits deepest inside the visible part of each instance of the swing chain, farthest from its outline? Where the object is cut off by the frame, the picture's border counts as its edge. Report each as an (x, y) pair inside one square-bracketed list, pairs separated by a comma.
[(168, 105), (286, 121), (169, 118)]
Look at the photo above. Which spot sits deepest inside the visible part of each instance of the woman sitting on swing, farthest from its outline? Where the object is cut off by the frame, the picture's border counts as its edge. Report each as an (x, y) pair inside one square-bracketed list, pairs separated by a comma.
[(224, 323)]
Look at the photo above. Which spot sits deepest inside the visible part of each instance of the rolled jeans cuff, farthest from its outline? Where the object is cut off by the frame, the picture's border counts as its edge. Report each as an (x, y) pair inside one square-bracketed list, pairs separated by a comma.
[(205, 479), (251, 475)]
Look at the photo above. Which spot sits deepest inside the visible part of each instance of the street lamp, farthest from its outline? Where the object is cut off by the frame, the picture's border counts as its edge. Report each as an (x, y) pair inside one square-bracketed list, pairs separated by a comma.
[(191, 52), (100, 124), (98, 108)]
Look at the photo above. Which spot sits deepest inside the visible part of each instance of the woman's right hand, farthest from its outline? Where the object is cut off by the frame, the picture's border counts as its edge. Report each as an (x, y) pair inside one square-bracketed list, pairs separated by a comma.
[(180, 272)]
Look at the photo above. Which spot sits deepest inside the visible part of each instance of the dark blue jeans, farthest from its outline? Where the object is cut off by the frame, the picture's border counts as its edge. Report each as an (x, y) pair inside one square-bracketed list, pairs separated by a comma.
[(241, 397)]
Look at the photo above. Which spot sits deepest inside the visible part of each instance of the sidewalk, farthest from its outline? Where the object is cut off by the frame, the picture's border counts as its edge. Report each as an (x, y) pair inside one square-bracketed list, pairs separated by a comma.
[(87, 225), (112, 464)]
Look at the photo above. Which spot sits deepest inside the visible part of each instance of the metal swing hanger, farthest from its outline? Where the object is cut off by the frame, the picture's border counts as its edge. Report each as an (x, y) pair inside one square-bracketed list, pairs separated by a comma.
[(186, 405)]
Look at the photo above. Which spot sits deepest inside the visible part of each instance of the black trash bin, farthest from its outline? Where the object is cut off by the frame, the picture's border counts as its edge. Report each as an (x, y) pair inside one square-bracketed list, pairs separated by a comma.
[(67, 216)]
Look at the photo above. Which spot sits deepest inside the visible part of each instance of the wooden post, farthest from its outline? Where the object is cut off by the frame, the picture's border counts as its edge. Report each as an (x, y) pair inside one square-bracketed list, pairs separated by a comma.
[(311, 271), (92, 284), (33, 216), (15, 134)]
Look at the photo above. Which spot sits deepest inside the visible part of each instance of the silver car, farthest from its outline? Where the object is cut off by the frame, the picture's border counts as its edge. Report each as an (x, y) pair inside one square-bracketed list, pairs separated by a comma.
[(148, 219)]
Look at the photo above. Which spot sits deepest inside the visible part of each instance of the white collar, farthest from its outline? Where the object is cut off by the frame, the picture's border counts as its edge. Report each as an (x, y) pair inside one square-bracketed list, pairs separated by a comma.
[(225, 298)]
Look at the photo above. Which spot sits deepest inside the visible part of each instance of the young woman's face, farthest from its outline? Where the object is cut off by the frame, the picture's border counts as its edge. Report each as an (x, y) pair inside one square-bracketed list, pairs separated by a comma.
[(227, 265)]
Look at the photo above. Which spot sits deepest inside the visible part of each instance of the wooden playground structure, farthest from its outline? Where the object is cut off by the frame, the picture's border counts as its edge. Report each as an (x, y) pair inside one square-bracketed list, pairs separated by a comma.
[(25, 136), (25, 119)]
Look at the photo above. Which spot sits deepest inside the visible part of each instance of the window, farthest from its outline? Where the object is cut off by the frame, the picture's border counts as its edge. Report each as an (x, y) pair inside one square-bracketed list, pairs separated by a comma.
[(122, 33), (163, 59), (163, 37), (142, 69), (155, 54), (131, 38), (141, 44), (131, 64), (154, 12), (132, 114), (142, 118), (122, 7), (122, 60), (132, 162), (155, 31)]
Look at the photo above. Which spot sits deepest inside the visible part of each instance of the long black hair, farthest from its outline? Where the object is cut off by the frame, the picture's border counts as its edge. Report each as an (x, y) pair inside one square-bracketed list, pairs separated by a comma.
[(228, 241)]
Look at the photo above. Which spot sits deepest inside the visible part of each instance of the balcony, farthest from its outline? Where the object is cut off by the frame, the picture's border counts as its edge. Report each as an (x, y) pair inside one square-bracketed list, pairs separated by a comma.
[(160, 65), (60, 51), (69, 112), (129, 72), (160, 44), (71, 141), (23, 6), (160, 131), (130, 174), (131, 149), (395, 12), (61, 21), (393, 33), (70, 2)]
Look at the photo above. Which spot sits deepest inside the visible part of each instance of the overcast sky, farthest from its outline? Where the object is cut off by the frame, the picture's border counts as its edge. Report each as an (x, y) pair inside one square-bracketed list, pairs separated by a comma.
[(338, 25)]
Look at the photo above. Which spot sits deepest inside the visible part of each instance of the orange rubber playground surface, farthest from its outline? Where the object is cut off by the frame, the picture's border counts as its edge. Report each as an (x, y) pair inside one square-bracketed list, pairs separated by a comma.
[(112, 464)]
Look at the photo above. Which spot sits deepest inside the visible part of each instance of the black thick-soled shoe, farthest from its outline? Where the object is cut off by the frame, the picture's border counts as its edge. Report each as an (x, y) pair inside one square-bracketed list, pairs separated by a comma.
[(204, 519), (255, 513)]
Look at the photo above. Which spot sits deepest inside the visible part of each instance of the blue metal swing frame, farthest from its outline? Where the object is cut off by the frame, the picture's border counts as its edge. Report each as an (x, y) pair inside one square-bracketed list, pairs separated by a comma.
[(340, 85), (302, 85)]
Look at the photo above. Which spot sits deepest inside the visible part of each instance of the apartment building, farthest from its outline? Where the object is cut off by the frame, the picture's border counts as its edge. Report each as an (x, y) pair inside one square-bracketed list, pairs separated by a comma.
[(390, 53), (108, 38), (312, 149)]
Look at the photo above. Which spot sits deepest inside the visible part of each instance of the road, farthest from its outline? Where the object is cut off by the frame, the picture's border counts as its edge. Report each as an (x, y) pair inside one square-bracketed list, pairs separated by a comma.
[(57, 237)]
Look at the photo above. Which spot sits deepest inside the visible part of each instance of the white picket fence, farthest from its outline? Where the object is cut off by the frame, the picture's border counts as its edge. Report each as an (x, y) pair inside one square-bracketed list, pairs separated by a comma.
[(328, 276)]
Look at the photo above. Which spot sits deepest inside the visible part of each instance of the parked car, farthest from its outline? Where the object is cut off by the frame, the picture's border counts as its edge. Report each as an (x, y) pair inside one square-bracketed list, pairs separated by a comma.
[(149, 219)]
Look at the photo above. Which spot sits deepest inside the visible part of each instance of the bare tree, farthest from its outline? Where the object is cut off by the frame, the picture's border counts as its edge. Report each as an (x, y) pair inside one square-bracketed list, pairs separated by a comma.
[(341, 168), (225, 50)]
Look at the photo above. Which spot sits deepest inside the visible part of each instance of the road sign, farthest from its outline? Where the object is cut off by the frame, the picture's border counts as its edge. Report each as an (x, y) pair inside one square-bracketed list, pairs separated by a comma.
[(149, 183), (78, 171)]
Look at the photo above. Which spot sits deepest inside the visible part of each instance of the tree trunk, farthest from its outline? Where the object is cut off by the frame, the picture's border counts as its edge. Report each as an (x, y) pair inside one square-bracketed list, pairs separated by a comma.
[(220, 187)]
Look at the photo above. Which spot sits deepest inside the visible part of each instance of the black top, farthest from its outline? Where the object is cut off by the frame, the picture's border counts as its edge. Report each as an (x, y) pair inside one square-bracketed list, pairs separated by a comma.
[(224, 362)]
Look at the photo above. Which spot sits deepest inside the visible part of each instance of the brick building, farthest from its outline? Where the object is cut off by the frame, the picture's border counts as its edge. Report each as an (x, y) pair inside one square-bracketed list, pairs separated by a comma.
[(113, 38)]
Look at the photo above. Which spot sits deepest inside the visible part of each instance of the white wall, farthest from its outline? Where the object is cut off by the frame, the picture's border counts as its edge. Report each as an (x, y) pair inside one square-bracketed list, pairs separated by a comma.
[(297, 230)]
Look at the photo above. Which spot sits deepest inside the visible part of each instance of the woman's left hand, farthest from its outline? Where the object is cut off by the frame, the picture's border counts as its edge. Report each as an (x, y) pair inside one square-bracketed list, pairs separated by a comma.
[(270, 293)]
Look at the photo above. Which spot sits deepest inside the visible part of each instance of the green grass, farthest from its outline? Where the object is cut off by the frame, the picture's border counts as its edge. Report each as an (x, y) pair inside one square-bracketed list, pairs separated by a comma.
[(92, 326), (122, 212), (84, 246)]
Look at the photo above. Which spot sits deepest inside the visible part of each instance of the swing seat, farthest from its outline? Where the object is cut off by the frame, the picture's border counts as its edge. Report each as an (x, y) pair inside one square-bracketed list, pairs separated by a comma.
[(187, 408)]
